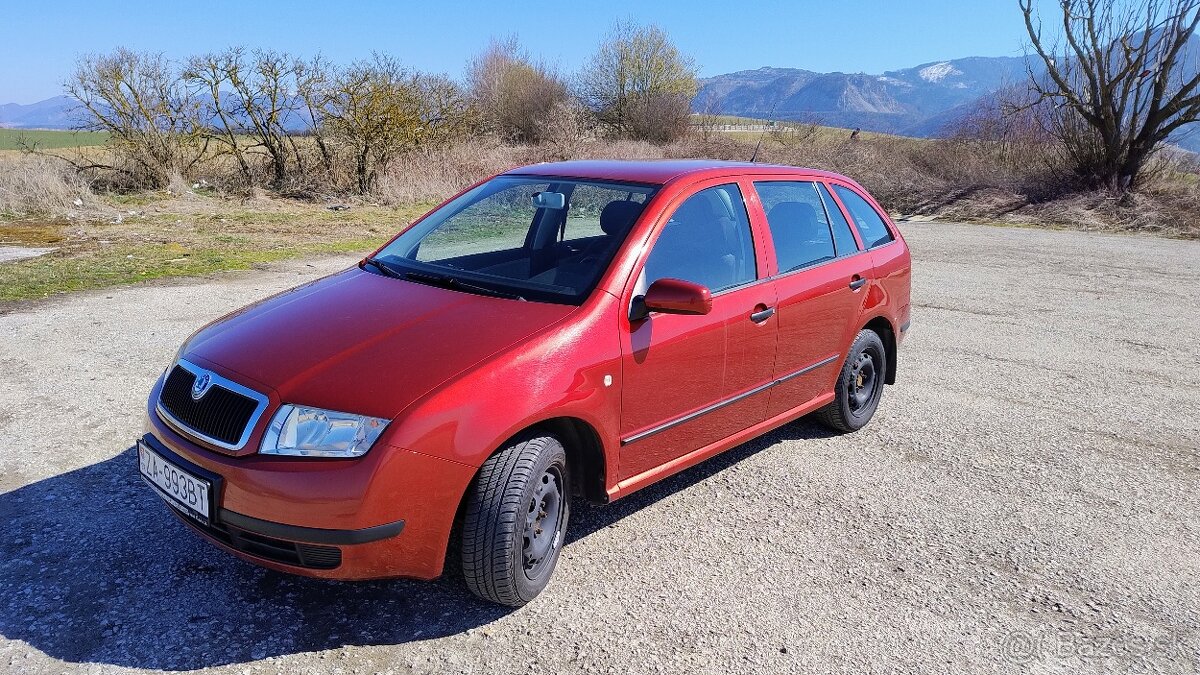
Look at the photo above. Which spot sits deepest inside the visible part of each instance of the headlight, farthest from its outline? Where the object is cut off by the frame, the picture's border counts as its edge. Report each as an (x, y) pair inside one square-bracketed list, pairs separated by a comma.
[(313, 432)]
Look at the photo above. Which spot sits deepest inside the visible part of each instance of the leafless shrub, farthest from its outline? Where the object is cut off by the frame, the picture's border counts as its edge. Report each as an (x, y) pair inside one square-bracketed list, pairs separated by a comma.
[(792, 133), (707, 120), (658, 117), (515, 96), (380, 110), (139, 99), (566, 130), (435, 172), (639, 84)]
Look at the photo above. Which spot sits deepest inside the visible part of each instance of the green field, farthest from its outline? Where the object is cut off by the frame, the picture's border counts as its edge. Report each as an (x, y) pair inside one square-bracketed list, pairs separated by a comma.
[(10, 139)]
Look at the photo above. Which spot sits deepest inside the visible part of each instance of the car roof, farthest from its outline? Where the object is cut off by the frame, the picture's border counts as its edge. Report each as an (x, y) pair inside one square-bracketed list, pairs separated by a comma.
[(659, 171)]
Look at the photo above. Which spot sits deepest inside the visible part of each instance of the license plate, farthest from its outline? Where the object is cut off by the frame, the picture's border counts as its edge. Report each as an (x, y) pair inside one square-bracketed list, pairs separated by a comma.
[(186, 492)]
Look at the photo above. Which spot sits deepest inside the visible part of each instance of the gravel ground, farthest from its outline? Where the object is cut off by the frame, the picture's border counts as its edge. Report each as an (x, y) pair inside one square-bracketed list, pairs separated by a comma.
[(1025, 499)]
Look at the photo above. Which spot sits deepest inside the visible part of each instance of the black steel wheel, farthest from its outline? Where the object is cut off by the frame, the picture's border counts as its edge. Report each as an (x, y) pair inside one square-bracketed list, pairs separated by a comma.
[(515, 521), (859, 385)]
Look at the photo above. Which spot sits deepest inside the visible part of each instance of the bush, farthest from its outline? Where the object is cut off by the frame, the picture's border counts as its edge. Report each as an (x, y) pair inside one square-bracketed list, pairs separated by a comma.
[(639, 85), (514, 96), (43, 187)]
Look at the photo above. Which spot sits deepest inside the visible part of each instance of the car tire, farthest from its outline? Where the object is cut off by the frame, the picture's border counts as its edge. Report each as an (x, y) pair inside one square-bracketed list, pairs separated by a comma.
[(859, 385), (515, 521)]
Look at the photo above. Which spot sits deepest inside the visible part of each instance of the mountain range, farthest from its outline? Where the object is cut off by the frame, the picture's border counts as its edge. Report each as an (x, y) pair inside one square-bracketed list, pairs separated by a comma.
[(915, 101), (53, 113), (918, 101)]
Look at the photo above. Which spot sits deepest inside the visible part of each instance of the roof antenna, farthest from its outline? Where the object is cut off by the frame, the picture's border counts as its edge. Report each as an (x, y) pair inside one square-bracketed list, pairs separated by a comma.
[(769, 122)]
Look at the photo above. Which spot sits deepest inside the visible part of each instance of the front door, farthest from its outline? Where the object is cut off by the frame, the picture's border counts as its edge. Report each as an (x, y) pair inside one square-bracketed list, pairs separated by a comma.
[(686, 378)]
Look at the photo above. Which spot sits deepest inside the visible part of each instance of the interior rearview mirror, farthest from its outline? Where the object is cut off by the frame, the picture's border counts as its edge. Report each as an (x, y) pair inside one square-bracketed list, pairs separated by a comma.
[(550, 200), (672, 296)]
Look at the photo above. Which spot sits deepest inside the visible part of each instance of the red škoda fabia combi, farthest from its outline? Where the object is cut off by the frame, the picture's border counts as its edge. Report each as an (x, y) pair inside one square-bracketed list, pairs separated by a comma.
[(569, 330)]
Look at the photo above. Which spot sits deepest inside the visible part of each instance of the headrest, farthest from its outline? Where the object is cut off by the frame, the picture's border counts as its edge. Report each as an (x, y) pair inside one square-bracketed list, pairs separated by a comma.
[(798, 215), (618, 216)]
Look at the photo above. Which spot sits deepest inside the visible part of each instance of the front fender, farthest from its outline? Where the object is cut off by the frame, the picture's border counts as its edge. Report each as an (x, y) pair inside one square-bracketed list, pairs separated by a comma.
[(559, 372)]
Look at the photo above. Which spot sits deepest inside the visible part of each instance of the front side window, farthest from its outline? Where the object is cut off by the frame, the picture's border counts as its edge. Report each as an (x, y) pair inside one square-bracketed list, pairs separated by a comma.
[(870, 226), (707, 241), (535, 238), (798, 223)]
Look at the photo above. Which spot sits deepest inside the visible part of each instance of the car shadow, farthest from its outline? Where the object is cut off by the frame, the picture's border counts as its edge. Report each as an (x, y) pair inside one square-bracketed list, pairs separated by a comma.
[(94, 569)]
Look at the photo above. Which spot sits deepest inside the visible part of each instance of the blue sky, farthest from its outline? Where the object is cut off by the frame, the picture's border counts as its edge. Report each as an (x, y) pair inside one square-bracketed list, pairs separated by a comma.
[(44, 38)]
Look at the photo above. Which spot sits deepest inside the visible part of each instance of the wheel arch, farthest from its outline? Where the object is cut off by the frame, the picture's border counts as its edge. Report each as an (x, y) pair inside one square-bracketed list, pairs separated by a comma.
[(886, 332), (585, 454)]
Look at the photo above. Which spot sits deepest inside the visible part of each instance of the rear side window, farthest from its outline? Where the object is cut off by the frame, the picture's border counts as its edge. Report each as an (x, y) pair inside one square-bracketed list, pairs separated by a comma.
[(798, 222), (866, 219), (707, 241), (842, 236)]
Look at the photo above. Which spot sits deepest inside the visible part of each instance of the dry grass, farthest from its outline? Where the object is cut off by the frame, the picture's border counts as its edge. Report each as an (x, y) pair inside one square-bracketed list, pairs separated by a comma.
[(32, 186), (435, 174), (158, 235)]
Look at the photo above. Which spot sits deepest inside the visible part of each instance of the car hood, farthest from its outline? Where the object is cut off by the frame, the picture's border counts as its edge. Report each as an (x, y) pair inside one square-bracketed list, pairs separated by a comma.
[(364, 343)]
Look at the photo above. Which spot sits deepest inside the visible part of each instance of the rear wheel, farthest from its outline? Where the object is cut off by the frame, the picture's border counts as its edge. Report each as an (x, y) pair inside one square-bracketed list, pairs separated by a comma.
[(859, 385), (515, 521)]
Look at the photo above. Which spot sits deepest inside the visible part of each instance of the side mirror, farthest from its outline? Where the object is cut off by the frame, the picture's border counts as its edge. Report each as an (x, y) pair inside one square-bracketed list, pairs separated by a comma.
[(672, 296)]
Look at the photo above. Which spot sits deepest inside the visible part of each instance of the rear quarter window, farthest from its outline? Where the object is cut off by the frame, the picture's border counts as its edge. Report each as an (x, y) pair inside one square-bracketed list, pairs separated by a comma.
[(841, 227), (870, 225)]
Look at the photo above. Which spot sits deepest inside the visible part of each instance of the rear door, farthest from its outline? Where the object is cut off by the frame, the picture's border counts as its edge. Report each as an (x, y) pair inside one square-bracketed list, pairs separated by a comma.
[(891, 273), (821, 283), (686, 378)]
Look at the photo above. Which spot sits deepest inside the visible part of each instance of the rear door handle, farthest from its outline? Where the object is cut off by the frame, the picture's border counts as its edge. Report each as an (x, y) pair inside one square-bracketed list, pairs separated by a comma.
[(857, 282), (762, 315)]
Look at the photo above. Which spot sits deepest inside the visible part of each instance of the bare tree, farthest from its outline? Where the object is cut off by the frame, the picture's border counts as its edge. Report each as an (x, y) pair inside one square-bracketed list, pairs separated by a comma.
[(1119, 82), (379, 110), (315, 88), (206, 75), (513, 94), (149, 115), (252, 96), (639, 84)]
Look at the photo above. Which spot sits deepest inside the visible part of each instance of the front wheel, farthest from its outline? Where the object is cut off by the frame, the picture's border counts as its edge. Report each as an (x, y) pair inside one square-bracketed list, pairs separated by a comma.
[(515, 521), (859, 385)]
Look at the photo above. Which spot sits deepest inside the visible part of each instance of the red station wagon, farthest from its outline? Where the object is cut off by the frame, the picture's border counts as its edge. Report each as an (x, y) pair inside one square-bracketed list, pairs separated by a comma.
[(569, 329)]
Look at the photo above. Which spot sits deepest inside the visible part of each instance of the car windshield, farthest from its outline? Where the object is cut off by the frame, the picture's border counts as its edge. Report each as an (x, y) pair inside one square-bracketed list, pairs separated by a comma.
[(535, 238)]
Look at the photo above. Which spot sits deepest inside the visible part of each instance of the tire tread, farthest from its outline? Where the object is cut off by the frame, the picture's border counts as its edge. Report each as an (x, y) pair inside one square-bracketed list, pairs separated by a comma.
[(493, 517)]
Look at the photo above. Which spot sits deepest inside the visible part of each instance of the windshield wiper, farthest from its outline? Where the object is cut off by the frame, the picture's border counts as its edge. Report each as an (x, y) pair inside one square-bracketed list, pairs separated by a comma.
[(454, 283), (384, 268)]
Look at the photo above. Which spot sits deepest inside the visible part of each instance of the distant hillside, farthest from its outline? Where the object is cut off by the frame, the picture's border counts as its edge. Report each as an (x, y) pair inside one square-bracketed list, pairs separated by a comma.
[(918, 101), (52, 113), (898, 101), (64, 112)]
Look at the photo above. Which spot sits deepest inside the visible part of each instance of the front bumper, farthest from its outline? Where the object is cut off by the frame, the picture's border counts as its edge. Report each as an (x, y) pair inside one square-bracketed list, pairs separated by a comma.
[(386, 514)]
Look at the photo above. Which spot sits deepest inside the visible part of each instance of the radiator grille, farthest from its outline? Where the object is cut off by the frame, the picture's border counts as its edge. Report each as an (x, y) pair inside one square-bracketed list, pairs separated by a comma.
[(221, 414)]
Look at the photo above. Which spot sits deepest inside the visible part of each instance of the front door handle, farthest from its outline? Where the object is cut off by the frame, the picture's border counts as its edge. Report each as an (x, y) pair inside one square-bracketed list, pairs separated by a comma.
[(762, 315), (857, 282)]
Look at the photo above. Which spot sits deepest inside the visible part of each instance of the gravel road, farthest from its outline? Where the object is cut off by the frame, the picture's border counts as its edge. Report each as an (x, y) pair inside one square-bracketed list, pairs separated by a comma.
[(1025, 499)]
